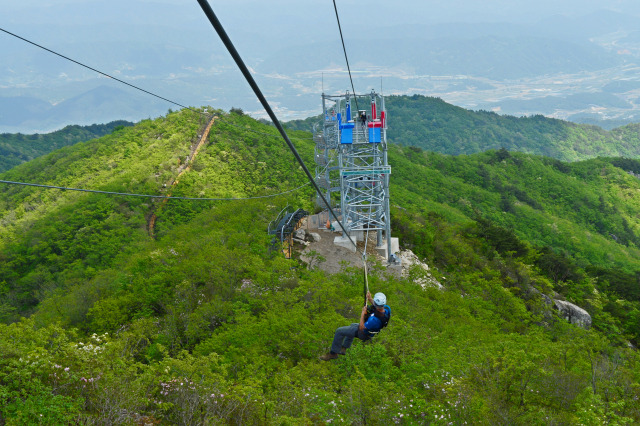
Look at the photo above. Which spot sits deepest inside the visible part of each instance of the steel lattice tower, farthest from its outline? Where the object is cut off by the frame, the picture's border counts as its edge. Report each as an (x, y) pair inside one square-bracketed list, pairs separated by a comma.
[(326, 136), (361, 172)]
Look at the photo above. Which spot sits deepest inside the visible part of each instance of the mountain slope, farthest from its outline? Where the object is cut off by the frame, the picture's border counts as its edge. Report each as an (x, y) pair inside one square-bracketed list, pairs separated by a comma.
[(87, 230), (586, 211), (201, 324), (18, 148), (437, 126)]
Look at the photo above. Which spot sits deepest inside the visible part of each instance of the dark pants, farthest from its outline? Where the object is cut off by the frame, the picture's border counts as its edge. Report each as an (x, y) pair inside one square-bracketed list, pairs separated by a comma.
[(344, 337)]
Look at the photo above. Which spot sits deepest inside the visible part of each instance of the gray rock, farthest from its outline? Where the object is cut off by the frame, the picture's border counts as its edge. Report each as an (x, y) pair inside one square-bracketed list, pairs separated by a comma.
[(299, 241), (299, 234), (412, 267), (546, 299), (574, 314), (314, 237)]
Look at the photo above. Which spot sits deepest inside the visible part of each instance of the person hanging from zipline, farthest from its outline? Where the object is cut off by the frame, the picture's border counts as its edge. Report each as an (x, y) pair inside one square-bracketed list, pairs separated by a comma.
[(372, 319)]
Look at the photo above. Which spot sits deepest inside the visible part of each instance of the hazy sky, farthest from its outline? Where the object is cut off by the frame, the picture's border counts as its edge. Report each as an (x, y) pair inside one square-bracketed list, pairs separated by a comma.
[(256, 12), (256, 23), (411, 10)]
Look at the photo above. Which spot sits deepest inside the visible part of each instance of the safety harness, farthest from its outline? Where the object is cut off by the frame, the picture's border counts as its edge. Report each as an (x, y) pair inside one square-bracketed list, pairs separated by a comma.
[(383, 317)]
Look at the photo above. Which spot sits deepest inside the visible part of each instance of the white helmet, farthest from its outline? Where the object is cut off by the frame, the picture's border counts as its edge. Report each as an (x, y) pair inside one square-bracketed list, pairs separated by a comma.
[(380, 299)]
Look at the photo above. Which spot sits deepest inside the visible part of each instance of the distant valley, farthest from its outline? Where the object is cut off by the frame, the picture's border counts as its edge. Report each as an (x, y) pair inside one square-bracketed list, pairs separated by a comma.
[(584, 69)]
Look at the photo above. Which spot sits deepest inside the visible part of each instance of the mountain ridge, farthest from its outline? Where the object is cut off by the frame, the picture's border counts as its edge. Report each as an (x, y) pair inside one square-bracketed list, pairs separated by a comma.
[(18, 148), (435, 125)]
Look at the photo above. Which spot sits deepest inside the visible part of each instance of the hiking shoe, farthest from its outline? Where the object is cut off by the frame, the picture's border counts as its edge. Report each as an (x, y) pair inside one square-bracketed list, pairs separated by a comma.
[(329, 356), (343, 351)]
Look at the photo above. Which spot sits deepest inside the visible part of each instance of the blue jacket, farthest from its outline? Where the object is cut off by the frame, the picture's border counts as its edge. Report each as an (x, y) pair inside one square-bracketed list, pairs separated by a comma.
[(374, 324)]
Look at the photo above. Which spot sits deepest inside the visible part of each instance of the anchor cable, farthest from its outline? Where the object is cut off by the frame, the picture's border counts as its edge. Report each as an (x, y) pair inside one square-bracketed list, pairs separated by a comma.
[(126, 194)]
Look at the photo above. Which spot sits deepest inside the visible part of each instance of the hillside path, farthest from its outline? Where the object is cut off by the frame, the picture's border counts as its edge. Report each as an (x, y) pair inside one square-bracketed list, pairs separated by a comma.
[(184, 168)]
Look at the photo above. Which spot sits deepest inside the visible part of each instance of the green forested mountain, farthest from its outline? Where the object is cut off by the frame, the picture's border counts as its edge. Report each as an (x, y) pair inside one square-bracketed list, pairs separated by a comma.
[(16, 148), (434, 125), (197, 323)]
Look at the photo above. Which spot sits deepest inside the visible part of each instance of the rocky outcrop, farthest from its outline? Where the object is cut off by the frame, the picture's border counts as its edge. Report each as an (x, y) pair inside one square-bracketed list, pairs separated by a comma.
[(303, 237), (570, 312), (573, 313), (416, 270)]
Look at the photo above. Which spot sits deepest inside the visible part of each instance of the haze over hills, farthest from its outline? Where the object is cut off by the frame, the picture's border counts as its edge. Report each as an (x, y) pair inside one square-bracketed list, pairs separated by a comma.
[(552, 59), (199, 322), (102, 104)]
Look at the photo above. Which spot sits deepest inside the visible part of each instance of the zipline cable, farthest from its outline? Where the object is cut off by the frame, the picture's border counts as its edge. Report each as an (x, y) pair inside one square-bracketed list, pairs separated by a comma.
[(208, 11), (366, 282), (364, 255), (345, 54), (355, 97), (64, 188)]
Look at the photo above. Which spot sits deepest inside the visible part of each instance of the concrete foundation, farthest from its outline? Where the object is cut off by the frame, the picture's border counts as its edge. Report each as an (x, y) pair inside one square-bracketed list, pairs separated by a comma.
[(319, 221), (395, 269), (344, 242), (357, 235), (395, 247)]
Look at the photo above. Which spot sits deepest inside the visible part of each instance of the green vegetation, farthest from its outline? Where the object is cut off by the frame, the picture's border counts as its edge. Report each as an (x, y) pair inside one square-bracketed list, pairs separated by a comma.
[(575, 223), (18, 148), (434, 125), (103, 323)]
